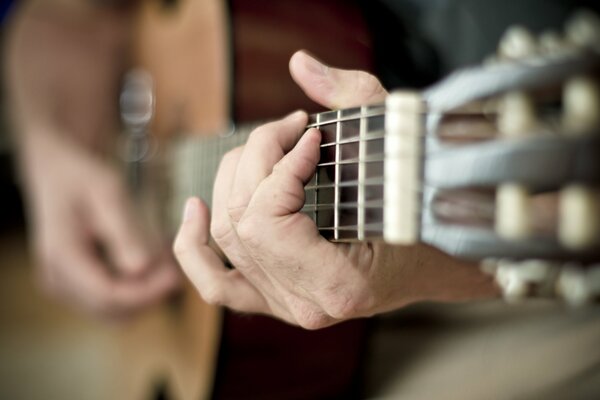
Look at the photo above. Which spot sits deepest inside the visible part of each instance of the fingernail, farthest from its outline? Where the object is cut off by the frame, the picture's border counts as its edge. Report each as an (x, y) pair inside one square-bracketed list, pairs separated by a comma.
[(314, 66), (190, 209), (296, 114)]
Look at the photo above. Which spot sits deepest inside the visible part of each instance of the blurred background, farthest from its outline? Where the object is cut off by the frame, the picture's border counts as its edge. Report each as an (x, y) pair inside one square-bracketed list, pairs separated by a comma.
[(47, 350)]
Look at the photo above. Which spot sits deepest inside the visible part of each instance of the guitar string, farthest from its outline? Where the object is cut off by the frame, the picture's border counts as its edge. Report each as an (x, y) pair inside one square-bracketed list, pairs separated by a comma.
[(370, 136), (380, 113)]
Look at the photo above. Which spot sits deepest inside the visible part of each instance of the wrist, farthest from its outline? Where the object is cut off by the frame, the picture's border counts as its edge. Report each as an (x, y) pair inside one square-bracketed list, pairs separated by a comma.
[(423, 273)]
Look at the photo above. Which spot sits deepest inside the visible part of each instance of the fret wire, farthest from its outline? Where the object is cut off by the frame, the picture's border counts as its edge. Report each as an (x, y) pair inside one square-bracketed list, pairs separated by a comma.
[(375, 135), (316, 194), (317, 180), (362, 150), (336, 213), (200, 157)]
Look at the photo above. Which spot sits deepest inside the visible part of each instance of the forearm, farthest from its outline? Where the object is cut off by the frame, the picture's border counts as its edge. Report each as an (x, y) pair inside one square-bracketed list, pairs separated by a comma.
[(63, 65)]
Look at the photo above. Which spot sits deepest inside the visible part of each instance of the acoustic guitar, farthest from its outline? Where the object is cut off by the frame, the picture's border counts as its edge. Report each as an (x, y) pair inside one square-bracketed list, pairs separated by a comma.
[(497, 163), (206, 64)]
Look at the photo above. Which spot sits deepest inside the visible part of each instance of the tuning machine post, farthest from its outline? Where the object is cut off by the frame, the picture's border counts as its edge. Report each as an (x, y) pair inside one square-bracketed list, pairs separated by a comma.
[(519, 280)]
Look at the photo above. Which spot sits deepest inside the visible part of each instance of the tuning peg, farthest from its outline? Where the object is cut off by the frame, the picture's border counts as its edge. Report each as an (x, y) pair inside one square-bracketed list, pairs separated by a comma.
[(578, 286), (581, 105), (550, 42), (579, 217), (517, 115), (489, 266), (513, 286), (583, 29), (515, 278), (513, 211), (517, 43), (137, 100)]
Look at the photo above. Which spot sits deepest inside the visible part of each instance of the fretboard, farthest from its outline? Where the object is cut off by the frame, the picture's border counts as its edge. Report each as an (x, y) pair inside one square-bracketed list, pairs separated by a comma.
[(345, 196)]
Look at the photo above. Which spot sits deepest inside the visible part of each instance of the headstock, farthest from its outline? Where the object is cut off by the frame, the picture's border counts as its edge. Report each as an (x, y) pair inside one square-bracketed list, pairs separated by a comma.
[(511, 162)]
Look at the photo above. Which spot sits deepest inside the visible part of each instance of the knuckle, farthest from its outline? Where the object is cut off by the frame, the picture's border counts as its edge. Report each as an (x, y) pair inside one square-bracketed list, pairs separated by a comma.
[(180, 246), (258, 134), (212, 294), (368, 85), (247, 232), (313, 321), (235, 207), (220, 230), (278, 167), (340, 306), (309, 317), (231, 156)]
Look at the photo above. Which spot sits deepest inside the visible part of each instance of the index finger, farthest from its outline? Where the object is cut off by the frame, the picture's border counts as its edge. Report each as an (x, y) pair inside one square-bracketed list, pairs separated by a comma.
[(265, 147)]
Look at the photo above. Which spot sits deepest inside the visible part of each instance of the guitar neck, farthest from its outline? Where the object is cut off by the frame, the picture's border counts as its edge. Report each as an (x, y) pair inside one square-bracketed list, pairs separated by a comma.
[(345, 196)]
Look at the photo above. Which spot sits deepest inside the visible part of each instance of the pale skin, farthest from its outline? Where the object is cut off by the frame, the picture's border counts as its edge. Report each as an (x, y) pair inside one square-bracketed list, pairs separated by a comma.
[(62, 96), (283, 267)]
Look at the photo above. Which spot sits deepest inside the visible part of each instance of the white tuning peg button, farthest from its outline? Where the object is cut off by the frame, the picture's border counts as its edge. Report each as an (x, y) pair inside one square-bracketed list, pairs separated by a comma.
[(514, 287), (516, 278), (517, 115), (581, 105), (551, 42), (583, 29), (579, 217), (573, 287), (517, 43), (513, 211)]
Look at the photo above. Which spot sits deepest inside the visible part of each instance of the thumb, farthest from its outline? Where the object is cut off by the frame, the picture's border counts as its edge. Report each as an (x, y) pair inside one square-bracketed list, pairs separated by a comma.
[(332, 87)]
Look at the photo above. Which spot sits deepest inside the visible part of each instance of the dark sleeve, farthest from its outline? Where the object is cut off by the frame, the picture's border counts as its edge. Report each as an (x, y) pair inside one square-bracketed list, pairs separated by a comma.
[(419, 41), (5, 7)]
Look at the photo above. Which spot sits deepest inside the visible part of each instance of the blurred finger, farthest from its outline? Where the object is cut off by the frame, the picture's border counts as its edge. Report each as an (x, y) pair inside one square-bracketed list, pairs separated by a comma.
[(85, 281), (114, 218), (334, 88)]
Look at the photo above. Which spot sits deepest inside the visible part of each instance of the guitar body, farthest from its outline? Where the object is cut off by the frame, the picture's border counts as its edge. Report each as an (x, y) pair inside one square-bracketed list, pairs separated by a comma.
[(212, 64)]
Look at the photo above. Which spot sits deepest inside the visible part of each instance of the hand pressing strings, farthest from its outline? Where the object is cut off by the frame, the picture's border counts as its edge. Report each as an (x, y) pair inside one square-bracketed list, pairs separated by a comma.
[(283, 267)]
